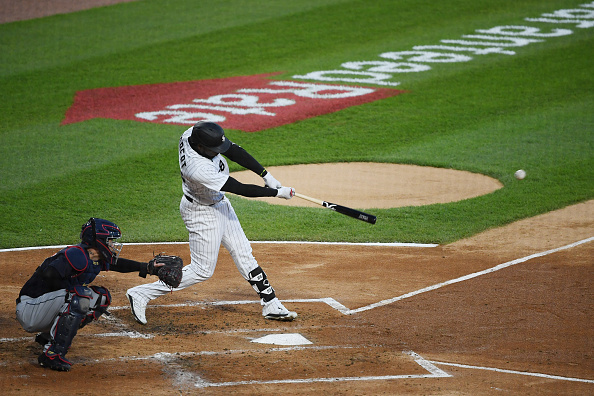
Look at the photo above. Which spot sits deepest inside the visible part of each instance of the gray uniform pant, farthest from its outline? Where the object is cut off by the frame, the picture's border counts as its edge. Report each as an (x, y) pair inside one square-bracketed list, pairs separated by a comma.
[(40, 314)]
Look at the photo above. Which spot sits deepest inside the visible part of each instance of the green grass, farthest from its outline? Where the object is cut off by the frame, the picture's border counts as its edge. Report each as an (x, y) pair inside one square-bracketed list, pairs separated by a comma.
[(492, 115)]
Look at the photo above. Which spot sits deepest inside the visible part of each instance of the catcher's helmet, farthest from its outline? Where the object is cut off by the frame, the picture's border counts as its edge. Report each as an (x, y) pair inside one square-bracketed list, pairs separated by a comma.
[(211, 136), (102, 235)]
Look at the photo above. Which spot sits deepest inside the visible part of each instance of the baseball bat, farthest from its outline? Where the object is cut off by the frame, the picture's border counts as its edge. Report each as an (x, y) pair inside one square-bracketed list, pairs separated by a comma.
[(366, 217)]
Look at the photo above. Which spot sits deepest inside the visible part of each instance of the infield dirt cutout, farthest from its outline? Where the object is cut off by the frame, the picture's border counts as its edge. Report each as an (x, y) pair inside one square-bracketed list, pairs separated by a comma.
[(375, 185)]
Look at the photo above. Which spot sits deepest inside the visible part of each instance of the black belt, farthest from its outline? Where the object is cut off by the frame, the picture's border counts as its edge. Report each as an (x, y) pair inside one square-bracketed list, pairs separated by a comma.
[(191, 200)]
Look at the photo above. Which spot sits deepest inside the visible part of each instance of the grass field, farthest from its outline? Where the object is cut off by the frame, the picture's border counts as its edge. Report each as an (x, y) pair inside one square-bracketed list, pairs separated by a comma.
[(492, 114)]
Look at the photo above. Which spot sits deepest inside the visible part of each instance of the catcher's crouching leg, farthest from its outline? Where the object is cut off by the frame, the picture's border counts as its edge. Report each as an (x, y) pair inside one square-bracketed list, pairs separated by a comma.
[(65, 328), (100, 301)]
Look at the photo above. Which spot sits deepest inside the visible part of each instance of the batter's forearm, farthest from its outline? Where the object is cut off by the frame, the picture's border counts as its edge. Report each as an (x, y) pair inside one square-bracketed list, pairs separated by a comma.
[(248, 190)]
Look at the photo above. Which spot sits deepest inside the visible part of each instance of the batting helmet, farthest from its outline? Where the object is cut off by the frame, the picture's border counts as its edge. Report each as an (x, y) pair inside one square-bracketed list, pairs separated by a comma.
[(102, 235), (211, 136)]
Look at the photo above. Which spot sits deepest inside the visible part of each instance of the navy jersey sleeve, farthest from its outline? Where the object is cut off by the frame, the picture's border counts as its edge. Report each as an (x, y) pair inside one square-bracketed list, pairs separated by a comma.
[(127, 265)]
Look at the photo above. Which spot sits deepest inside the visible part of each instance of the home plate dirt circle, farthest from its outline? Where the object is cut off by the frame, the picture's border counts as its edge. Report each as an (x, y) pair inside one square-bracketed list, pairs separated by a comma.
[(375, 185)]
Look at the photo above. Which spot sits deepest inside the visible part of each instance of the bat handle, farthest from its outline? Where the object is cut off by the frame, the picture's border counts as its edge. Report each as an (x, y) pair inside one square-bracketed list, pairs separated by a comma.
[(310, 199)]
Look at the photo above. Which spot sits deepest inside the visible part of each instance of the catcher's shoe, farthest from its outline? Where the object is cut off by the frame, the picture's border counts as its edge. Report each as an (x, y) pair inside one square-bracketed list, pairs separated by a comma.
[(138, 307), (54, 361), (275, 310)]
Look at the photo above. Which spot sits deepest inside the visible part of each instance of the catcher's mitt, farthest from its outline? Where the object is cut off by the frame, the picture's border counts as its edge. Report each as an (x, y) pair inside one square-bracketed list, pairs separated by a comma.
[(171, 272)]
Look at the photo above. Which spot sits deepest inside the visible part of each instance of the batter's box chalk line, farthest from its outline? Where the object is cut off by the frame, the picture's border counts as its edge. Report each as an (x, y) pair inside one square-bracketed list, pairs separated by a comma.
[(186, 378), (122, 331), (341, 308), (434, 372), (430, 366), (464, 278), (183, 377), (526, 373)]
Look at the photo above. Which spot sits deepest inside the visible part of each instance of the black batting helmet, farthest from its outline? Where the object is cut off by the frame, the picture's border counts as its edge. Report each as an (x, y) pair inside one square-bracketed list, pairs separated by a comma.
[(211, 136)]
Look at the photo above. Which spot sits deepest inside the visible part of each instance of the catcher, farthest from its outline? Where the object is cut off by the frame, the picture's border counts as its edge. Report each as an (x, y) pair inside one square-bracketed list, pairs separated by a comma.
[(57, 300)]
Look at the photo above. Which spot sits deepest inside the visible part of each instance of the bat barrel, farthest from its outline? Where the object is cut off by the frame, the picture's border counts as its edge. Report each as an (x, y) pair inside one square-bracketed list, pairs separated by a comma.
[(356, 214)]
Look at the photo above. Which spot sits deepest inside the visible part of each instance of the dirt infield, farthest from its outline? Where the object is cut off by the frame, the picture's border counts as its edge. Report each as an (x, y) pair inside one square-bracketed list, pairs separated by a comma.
[(379, 319), (507, 311)]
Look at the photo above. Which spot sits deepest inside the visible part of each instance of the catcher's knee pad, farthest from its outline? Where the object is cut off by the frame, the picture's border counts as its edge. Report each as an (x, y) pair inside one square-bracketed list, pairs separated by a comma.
[(103, 300), (257, 278), (80, 300)]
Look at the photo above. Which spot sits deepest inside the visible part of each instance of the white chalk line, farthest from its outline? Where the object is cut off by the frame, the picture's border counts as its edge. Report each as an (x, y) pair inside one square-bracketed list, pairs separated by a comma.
[(466, 277), (114, 322), (128, 334), (168, 356), (332, 302), (326, 300), (183, 377), (387, 244), (343, 309), (549, 376), (136, 334), (430, 366)]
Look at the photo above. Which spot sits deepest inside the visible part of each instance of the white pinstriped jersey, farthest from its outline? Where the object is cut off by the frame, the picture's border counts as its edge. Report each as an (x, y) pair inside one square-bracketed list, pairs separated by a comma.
[(202, 177), (211, 222)]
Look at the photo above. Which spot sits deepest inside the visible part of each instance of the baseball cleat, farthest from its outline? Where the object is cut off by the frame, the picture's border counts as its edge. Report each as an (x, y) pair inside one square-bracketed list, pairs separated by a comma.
[(54, 361), (138, 307), (275, 310)]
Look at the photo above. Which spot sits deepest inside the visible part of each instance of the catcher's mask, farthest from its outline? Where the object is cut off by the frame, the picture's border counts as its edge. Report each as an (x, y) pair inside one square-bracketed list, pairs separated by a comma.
[(102, 235), (209, 135)]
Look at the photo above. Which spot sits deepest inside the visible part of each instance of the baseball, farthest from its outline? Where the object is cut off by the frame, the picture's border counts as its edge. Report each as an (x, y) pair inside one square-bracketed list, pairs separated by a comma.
[(520, 174)]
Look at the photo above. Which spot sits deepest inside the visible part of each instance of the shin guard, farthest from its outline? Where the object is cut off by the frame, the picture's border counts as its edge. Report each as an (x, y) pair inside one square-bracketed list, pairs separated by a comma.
[(257, 278), (67, 324)]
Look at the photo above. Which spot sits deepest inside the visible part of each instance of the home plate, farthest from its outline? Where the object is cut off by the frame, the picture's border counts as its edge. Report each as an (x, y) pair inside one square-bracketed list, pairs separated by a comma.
[(283, 339)]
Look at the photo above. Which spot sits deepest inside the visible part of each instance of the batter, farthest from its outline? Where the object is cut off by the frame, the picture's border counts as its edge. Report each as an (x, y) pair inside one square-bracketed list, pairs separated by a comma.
[(211, 220)]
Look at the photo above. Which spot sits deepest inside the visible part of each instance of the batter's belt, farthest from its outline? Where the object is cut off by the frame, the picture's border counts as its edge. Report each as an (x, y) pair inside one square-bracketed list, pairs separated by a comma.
[(192, 200)]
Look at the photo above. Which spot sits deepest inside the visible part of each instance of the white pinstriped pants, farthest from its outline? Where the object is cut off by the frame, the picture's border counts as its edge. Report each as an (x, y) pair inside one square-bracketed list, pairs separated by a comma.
[(208, 227)]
